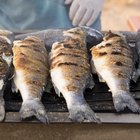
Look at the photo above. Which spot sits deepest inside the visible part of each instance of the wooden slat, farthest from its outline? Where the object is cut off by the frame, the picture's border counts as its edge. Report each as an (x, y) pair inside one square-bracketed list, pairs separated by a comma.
[(63, 117)]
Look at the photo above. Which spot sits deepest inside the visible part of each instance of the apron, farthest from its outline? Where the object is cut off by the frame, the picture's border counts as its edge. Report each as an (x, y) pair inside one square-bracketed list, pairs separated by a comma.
[(35, 14)]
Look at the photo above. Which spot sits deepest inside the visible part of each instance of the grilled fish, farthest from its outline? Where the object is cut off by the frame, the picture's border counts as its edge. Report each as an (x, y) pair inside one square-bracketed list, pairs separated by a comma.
[(6, 40), (30, 60), (70, 73), (113, 62)]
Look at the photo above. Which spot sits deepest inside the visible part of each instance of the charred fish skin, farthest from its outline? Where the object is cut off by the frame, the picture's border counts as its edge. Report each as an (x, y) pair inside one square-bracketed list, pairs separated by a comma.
[(113, 61), (70, 71), (31, 72), (6, 39)]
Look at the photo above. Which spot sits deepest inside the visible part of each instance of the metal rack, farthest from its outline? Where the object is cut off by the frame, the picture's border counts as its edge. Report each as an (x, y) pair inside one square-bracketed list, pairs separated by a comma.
[(99, 99)]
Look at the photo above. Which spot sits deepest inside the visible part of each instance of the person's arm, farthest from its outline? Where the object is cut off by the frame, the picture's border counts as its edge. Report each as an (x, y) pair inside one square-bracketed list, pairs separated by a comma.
[(84, 12)]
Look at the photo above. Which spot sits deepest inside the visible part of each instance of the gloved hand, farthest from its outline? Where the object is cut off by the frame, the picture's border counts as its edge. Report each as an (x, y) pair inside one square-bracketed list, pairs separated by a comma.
[(84, 12)]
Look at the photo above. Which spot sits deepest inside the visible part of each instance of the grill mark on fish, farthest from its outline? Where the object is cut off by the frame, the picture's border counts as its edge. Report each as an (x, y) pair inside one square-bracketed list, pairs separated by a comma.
[(68, 46), (71, 88), (23, 46), (124, 55), (64, 54), (105, 46), (119, 63), (35, 48), (114, 47), (110, 35), (102, 53), (116, 53), (68, 54), (59, 63), (34, 82), (58, 46), (73, 50), (70, 59), (108, 44), (24, 56), (75, 33), (67, 63)]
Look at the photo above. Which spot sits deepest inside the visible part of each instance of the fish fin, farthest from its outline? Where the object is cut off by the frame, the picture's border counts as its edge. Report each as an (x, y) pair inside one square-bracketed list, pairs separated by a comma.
[(56, 90), (35, 108), (79, 110), (14, 88), (90, 83), (83, 113), (123, 99), (101, 79), (95, 72), (48, 87), (135, 75), (93, 69)]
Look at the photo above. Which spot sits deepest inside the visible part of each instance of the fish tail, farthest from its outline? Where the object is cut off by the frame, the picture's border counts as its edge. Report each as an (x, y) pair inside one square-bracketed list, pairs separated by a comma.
[(123, 99), (79, 110), (2, 106), (35, 108)]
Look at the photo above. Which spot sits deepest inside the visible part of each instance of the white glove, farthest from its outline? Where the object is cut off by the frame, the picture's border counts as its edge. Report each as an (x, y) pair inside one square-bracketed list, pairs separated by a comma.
[(68, 1), (84, 12)]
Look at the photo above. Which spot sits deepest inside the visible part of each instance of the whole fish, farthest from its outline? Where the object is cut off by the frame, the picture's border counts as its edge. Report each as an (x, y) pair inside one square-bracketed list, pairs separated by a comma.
[(30, 60), (113, 62), (70, 73), (6, 40)]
